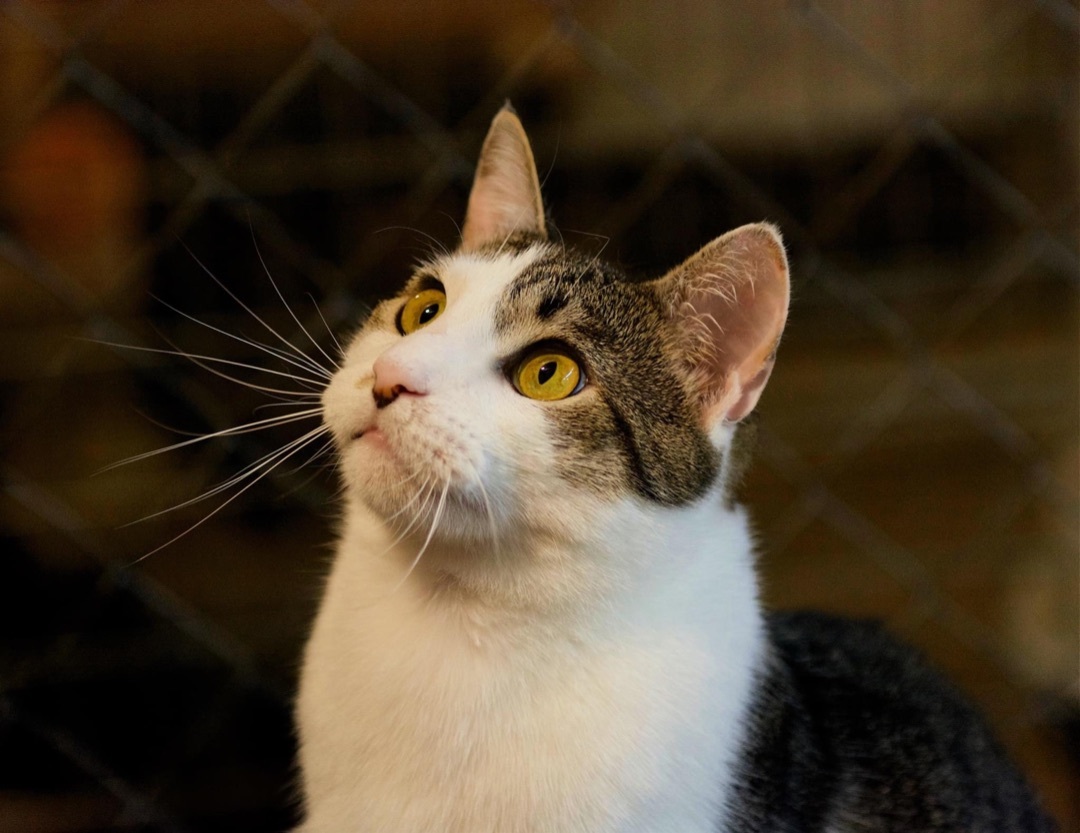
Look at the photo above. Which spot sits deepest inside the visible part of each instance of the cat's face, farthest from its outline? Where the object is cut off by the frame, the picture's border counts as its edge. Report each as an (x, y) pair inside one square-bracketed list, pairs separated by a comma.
[(515, 384), (474, 415)]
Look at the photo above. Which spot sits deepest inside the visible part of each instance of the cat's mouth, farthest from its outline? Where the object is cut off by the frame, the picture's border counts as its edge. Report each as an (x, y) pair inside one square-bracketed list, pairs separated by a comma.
[(364, 430), (372, 435)]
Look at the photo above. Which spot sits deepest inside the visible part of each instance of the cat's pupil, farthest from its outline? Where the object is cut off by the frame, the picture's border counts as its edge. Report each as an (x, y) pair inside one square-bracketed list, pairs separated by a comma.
[(547, 370), (429, 312)]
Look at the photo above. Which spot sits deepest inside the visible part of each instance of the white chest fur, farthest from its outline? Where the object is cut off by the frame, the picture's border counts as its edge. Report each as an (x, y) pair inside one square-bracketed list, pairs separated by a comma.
[(423, 709)]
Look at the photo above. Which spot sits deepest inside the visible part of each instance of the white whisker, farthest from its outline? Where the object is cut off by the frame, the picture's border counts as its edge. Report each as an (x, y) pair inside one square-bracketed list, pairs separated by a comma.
[(513, 227), (329, 332), (427, 490), (258, 345), (489, 512), (240, 476), (437, 246), (298, 399), (326, 451), (312, 388), (311, 437), (309, 460), (246, 428), (453, 220), (300, 354), (404, 508), (430, 535), (197, 357), (288, 309)]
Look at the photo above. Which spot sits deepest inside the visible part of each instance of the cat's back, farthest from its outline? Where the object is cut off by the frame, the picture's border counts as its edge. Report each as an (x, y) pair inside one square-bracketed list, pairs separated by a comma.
[(852, 731)]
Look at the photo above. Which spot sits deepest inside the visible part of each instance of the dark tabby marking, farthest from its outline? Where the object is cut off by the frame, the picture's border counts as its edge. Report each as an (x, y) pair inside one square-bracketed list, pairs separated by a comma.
[(640, 429), (739, 457), (550, 305), (851, 731), (423, 278)]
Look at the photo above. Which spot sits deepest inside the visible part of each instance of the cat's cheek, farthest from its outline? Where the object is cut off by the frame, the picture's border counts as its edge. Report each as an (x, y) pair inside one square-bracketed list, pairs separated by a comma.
[(522, 445)]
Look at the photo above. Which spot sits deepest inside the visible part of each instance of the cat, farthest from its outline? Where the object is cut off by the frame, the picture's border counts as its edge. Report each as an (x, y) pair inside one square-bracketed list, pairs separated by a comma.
[(542, 615)]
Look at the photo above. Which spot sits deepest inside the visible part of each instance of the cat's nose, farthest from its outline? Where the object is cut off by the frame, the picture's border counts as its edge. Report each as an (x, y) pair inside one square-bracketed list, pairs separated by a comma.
[(393, 378)]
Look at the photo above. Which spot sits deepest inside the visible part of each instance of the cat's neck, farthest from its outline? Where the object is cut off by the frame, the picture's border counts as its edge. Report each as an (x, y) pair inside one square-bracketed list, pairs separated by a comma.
[(627, 560), (602, 656)]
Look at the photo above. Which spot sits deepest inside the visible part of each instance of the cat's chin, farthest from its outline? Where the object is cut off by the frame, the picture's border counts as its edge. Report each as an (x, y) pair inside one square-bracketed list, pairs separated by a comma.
[(404, 500)]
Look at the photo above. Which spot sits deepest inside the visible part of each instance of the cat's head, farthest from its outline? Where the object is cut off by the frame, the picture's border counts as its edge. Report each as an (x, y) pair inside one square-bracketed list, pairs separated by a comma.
[(516, 385)]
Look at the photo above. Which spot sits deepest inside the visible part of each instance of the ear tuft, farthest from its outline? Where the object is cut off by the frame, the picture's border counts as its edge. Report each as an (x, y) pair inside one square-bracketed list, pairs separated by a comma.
[(505, 198), (729, 303)]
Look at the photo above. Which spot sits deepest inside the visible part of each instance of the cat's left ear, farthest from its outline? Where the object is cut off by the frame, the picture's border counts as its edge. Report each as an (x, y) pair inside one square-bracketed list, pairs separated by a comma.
[(505, 198), (729, 303)]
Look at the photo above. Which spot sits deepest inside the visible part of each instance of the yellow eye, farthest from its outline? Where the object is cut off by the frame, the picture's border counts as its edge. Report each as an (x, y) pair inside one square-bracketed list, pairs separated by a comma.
[(548, 376), (421, 309)]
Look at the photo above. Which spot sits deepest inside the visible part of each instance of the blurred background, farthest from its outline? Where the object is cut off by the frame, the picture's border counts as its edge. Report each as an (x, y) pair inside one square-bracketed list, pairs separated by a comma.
[(919, 457)]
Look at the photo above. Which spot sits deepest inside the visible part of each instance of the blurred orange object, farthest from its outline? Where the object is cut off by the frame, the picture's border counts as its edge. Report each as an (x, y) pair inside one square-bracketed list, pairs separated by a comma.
[(74, 187)]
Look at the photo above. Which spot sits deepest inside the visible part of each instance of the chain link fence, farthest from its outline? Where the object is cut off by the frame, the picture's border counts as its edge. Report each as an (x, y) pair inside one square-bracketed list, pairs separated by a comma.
[(160, 162)]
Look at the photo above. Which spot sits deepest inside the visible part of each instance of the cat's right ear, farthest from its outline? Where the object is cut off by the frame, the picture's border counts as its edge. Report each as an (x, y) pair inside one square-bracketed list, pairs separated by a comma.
[(729, 303), (505, 198)]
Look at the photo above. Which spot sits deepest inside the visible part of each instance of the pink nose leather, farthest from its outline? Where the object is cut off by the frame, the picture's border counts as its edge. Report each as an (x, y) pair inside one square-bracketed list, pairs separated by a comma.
[(392, 378)]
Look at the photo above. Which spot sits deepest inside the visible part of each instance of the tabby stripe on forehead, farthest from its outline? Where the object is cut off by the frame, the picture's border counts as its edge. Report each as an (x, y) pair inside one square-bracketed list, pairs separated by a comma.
[(550, 304)]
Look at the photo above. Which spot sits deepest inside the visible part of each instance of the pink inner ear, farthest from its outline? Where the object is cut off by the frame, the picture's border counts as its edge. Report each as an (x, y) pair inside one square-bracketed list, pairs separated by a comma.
[(494, 212), (747, 398), (505, 197), (735, 300)]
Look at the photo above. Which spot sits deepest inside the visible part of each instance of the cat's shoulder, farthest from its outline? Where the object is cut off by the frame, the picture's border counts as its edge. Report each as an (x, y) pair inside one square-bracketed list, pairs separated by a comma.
[(867, 689), (852, 655), (852, 729)]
